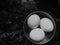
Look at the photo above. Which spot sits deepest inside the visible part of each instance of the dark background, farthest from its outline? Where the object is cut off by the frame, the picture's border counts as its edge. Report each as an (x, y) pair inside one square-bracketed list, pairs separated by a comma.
[(16, 13)]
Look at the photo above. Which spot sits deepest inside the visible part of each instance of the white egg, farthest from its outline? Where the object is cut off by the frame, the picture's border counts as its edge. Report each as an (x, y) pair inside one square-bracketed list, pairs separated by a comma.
[(37, 34), (33, 21), (46, 24)]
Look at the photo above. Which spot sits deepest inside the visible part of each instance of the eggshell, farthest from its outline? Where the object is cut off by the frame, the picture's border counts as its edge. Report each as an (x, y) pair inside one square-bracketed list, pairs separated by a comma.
[(37, 34), (46, 24), (33, 21)]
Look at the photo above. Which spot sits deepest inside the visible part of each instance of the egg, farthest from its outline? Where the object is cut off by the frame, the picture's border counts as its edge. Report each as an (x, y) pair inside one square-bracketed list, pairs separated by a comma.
[(46, 24), (33, 21), (37, 34)]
